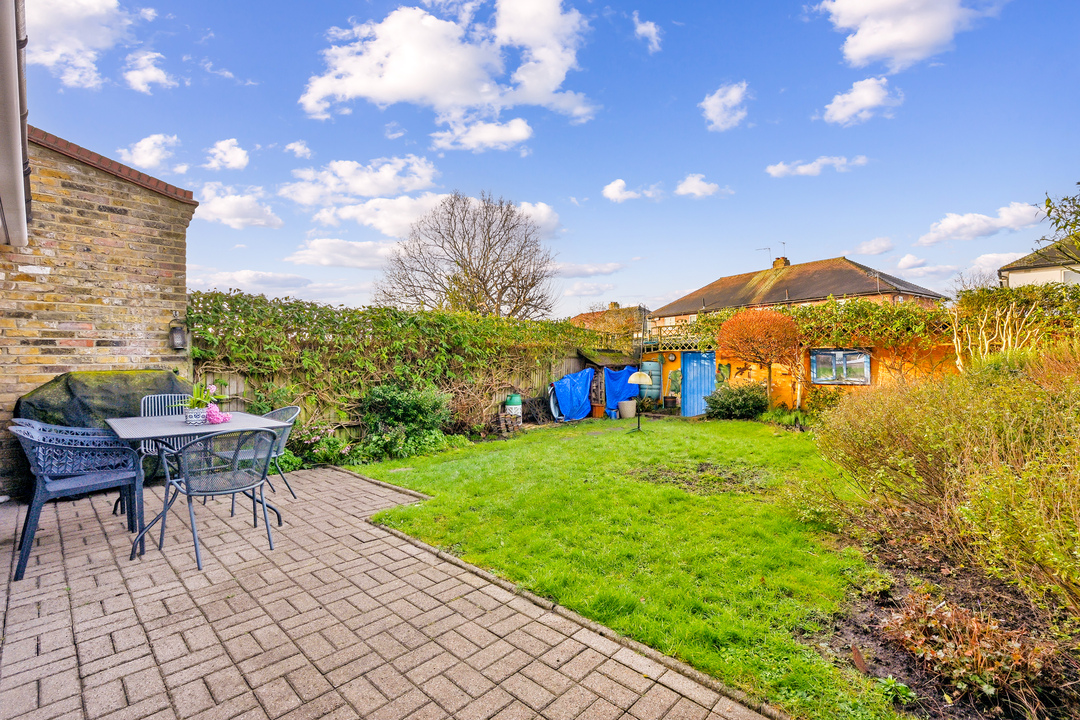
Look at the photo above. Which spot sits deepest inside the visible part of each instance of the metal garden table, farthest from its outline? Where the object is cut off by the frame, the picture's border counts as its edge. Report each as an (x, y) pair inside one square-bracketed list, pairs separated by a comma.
[(163, 428)]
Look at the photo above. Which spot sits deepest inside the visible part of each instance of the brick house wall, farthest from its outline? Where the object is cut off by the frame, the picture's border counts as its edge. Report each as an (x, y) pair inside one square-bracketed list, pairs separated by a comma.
[(103, 275)]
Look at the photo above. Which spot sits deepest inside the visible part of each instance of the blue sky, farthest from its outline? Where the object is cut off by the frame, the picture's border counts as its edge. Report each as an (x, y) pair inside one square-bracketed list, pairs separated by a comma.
[(659, 145)]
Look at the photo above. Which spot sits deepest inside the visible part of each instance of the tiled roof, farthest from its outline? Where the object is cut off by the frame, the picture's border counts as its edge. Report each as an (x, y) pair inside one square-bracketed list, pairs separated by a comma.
[(89, 157), (805, 282), (1049, 256)]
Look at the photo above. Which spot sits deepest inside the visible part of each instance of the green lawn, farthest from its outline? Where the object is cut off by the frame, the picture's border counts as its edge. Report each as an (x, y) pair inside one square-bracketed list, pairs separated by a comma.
[(727, 582)]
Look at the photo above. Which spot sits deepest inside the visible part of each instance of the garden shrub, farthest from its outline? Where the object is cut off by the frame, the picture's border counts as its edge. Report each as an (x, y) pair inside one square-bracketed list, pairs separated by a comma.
[(971, 652), (782, 416), (982, 463), (318, 444), (822, 398), (400, 423), (737, 402)]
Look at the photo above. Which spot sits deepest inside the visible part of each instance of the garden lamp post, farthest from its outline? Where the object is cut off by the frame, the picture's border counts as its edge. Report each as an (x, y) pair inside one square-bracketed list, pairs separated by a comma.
[(639, 378)]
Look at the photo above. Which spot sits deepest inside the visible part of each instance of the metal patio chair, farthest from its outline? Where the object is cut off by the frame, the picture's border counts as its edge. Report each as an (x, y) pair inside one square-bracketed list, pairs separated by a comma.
[(75, 461), (158, 406), (223, 463), (286, 414)]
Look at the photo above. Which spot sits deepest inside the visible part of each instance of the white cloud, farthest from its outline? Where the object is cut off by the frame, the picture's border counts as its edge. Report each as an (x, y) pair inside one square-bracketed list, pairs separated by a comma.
[(238, 210), (842, 164), (877, 246), (545, 217), (694, 184), (647, 31), (273, 284), (901, 32), (345, 180), (148, 14), (256, 280), (333, 252), (390, 216), (209, 67), (724, 108), (909, 261), (180, 169), (480, 136), (930, 271), (587, 289), (226, 154), (575, 270), (862, 101), (953, 226), (616, 191), (299, 149), (455, 66), (150, 152), (69, 35), (990, 262), (393, 131), (141, 71)]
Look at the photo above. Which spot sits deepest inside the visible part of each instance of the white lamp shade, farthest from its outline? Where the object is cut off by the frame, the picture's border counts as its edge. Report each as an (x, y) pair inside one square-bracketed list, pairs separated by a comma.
[(640, 378)]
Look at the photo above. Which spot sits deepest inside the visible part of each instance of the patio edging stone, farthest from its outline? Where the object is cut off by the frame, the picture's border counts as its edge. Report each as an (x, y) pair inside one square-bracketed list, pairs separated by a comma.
[(380, 483), (669, 662)]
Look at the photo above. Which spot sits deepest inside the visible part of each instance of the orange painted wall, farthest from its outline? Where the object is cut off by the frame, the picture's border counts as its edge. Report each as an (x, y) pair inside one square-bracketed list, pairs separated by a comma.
[(885, 368)]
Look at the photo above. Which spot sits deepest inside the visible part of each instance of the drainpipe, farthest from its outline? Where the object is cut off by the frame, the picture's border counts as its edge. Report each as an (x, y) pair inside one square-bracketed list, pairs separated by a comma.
[(14, 165)]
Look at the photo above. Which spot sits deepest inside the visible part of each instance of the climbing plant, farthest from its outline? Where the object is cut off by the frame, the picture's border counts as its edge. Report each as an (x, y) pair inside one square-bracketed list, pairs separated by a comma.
[(326, 358)]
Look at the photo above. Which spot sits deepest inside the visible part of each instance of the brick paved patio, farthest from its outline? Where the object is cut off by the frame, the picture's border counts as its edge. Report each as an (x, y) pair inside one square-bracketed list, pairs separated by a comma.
[(341, 620)]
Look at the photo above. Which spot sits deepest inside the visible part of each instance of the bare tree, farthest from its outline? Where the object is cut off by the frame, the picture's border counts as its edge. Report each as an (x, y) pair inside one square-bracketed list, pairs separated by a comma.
[(1062, 246), (975, 279), (482, 255)]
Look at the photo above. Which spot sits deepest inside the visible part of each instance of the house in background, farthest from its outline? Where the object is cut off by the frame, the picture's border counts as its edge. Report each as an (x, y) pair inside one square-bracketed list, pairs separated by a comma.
[(685, 371), (616, 320), (1055, 263)]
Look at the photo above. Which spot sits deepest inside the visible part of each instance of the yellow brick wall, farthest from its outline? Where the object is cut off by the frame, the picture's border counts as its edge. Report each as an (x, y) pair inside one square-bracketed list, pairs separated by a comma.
[(96, 287)]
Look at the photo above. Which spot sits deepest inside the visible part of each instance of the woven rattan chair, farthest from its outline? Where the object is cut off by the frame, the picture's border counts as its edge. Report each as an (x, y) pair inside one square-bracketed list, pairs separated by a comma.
[(223, 463), (74, 461)]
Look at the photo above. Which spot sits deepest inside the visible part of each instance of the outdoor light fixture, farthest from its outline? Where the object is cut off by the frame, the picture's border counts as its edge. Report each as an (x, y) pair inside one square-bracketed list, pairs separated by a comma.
[(639, 378), (177, 334)]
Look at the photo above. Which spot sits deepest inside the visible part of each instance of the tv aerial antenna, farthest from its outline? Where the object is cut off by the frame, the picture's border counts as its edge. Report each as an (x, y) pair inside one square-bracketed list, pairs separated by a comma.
[(877, 276), (768, 250)]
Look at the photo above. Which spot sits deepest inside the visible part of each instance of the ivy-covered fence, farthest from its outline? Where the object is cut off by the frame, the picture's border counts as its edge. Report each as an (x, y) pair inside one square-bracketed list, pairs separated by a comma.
[(281, 351)]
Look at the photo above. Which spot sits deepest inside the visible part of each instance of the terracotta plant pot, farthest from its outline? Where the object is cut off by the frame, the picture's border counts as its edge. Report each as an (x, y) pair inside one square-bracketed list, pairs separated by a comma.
[(597, 411)]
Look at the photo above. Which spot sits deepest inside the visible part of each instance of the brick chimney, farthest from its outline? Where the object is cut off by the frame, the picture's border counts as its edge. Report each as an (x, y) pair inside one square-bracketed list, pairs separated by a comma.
[(780, 262)]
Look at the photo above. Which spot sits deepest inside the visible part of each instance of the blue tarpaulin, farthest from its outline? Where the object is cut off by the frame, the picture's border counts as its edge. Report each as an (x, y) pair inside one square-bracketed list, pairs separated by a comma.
[(617, 388), (572, 392)]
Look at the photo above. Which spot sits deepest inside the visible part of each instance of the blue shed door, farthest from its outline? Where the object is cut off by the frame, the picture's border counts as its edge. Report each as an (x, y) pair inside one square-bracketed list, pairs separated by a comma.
[(698, 380)]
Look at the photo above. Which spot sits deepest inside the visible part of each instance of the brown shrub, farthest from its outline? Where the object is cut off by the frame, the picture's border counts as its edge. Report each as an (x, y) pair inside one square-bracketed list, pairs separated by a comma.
[(971, 652)]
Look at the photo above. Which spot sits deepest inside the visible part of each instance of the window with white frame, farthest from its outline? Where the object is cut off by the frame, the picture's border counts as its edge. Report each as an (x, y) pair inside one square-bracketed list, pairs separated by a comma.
[(833, 366)]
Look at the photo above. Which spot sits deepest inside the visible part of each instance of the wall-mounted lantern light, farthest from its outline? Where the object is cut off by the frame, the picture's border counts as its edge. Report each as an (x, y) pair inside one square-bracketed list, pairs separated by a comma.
[(177, 334)]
